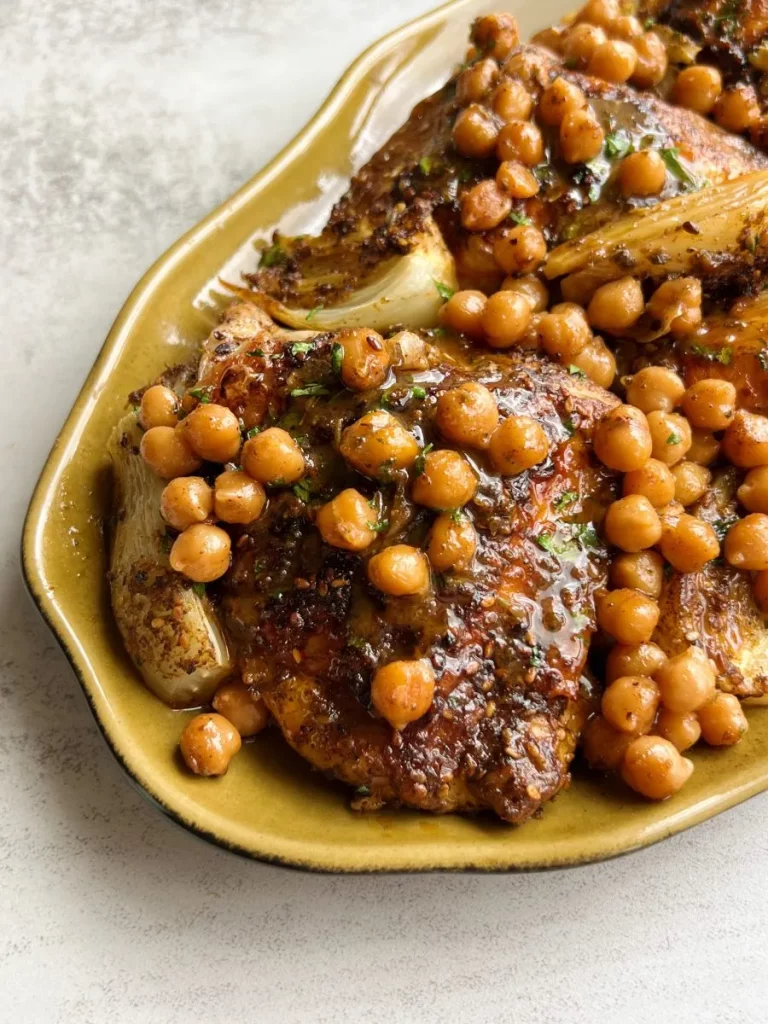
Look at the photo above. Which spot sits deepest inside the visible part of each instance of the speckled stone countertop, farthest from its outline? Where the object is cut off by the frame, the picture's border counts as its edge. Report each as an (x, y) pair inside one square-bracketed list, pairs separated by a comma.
[(123, 122)]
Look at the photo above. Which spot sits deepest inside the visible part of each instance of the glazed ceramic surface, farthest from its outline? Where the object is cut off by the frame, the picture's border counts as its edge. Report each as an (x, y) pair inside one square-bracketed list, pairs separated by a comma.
[(270, 805)]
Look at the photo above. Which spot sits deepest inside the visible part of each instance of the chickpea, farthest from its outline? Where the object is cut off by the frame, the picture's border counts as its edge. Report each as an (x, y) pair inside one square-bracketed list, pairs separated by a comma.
[(597, 361), (452, 543), (760, 591), (238, 498), (600, 12), (208, 743), (347, 521), (365, 362), (704, 449), (652, 61), (159, 408), (463, 313), (655, 768), (512, 101), (213, 432), (643, 659), (688, 543), (639, 570), (580, 43), (753, 493), (691, 482), (670, 435), (628, 616), (642, 174), (247, 713), (710, 404), (519, 250), (476, 81), (681, 728), (273, 457), (168, 453), (613, 61), (521, 140), (686, 681), (186, 500), (746, 543), (604, 747), (446, 482), (517, 180), (697, 88), (496, 34), (560, 99), (475, 132), (629, 704), (400, 570), (632, 524), (201, 552), (745, 442), (722, 721), (737, 109), (506, 318), (564, 332), (409, 351), (484, 206), (653, 481), (467, 415), (616, 306), (626, 27), (476, 262), (581, 137), (622, 439), (402, 691), (377, 444), (519, 443), (531, 288), (655, 388), (677, 304)]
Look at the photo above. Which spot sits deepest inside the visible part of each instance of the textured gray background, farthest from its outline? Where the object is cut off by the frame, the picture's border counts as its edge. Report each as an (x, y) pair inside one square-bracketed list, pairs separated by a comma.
[(123, 123)]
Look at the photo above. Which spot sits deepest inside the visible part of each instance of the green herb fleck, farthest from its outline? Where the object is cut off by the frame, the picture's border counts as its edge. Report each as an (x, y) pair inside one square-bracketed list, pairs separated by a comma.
[(648, 24), (199, 589), (536, 658), (546, 542), (258, 352), (313, 312), (425, 166), (362, 791), (677, 168), (520, 218), (586, 534), (565, 500), (252, 433), (722, 526), (617, 144), (381, 526), (418, 391), (722, 355), (569, 425), (418, 465), (310, 389), (458, 515), (201, 394), (272, 256), (674, 438), (465, 175), (575, 371), (443, 290), (300, 348), (337, 357), (301, 491)]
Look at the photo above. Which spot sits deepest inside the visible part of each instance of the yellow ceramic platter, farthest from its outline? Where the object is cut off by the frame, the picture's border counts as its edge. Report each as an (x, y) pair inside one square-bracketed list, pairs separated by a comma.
[(270, 805)]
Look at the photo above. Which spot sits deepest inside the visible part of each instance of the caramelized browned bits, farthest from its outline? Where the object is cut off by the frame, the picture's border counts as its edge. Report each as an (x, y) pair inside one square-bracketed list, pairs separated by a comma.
[(753, 493), (475, 132), (506, 318), (697, 88), (643, 659), (476, 81), (655, 388), (167, 451), (273, 457), (247, 713), (670, 435), (691, 482), (238, 498), (520, 249), (653, 767), (463, 313), (186, 500), (365, 361), (640, 570), (653, 481), (745, 442), (642, 174), (512, 101), (159, 408), (484, 206), (452, 543), (616, 306), (400, 570), (201, 552), (402, 691), (632, 524), (652, 61), (746, 543), (447, 481), (377, 445), (208, 743), (628, 616), (623, 439), (467, 415), (560, 99), (630, 703), (722, 721), (348, 521), (688, 543), (519, 443), (603, 746), (521, 140), (581, 137), (710, 404), (737, 109), (681, 728)]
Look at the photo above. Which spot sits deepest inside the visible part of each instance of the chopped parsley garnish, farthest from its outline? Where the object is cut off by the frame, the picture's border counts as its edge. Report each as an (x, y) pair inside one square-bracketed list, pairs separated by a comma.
[(722, 355), (617, 144), (722, 526), (648, 24), (301, 491), (259, 352), (418, 465), (586, 534), (443, 290), (565, 500), (677, 169), (313, 312), (337, 357), (546, 542), (458, 515), (272, 256), (425, 166), (199, 589), (520, 218), (252, 433), (582, 535), (537, 656), (300, 348), (569, 425), (674, 438), (381, 526), (201, 394), (417, 391), (575, 371), (310, 389)]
